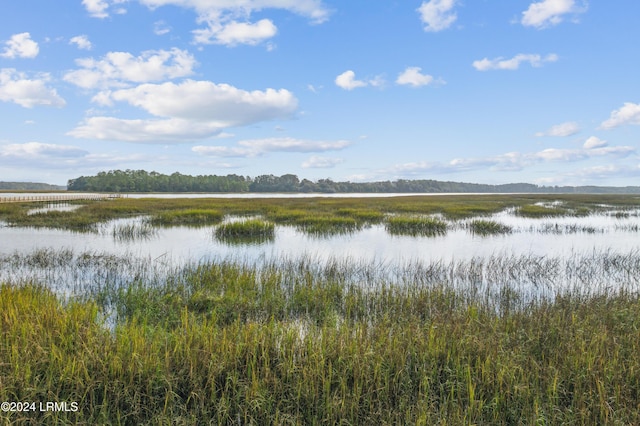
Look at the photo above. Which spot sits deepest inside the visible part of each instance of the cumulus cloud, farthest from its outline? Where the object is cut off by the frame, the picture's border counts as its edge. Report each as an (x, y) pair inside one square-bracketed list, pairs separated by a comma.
[(28, 92), (564, 129), (513, 161), (514, 63), (144, 131), (35, 150), (437, 15), (412, 77), (120, 69), (82, 42), (594, 142), (20, 46), (547, 13), (234, 33), (629, 113), (347, 80), (186, 111), (99, 8), (225, 22), (213, 9), (229, 23), (317, 162), (258, 147)]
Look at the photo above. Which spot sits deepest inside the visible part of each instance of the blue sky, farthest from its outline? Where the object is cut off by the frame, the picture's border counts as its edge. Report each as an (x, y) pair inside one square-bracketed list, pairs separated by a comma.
[(545, 91)]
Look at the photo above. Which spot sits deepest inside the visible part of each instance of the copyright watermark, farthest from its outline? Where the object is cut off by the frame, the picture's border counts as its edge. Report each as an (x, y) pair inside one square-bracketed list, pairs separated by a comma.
[(27, 406)]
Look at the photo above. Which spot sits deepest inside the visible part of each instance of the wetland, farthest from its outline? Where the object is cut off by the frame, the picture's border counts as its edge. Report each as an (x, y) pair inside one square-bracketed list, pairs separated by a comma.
[(448, 309)]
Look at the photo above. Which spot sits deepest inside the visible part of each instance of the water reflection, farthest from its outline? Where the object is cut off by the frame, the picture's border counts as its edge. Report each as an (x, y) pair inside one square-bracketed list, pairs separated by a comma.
[(558, 236), (54, 207)]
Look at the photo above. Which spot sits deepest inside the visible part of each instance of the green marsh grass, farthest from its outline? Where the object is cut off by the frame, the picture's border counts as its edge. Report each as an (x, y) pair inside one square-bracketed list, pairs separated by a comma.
[(484, 227), (188, 217), (415, 226), (368, 216), (245, 231), (326, 225), (133, 231), (536, 211), (298, 342), (287, 211)]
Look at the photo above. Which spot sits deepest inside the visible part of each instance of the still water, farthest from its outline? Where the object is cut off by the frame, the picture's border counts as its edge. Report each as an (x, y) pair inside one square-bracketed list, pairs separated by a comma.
[(553, 237)]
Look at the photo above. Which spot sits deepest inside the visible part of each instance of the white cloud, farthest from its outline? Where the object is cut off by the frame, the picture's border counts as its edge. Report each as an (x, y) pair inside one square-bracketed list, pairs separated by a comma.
[(564, 129), (513, 63), (549, 12), (317, 162), (412, 77), (257, 147), (18, 88), (119, 69), (144, 131), (82, 41), (594, 142), (629, 113), (33, 150), (437, 14), (187, 111), (161, 28), (234, 33), (228, 22), (98, 8), (347, 80), (207, 101), (216, 9), (513, 161), (20, 46)]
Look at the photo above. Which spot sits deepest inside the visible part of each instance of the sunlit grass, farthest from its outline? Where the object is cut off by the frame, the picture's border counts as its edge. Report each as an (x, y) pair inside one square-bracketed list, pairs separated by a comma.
[(536, 211), (327, 224), (488, 227), (288, 211), (188, 217), (304, 343), (249, 230), (415, 226)]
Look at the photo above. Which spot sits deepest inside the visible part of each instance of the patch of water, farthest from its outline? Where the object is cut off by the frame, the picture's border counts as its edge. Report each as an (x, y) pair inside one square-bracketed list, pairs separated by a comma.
[(57, 207), (559, 236)]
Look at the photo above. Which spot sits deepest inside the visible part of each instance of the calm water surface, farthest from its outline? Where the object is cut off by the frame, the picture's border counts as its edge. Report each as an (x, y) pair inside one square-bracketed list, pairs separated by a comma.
[(557, 237)]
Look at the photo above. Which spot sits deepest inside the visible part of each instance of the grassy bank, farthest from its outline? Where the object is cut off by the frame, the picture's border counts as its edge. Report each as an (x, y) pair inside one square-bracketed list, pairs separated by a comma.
[(297, 342)]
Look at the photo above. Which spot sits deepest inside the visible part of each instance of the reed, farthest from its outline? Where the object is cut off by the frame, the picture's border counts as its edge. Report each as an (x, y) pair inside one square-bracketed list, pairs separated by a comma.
[(133, 231), (487, 227), (536, 211), (415, 226), (326, 225), (505, 340), (250, 230), (188, 217)]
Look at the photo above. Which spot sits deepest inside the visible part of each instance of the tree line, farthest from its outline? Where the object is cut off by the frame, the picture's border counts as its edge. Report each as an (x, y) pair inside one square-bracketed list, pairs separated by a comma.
[(143, 181), (29, 186)]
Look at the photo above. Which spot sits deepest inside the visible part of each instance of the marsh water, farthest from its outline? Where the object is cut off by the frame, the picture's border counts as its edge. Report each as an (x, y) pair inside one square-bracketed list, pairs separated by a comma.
[(558, 236)]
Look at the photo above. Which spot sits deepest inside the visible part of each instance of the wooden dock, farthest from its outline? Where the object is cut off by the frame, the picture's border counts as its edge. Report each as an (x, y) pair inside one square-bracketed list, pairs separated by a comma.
[(52, 198)]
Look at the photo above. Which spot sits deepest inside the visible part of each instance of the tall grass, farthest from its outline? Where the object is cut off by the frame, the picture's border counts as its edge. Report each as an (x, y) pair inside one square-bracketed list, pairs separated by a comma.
[(326, 225), (287, 211), (249, 230), (415, 226), (484, 227), (298, 342), (188, 217)]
